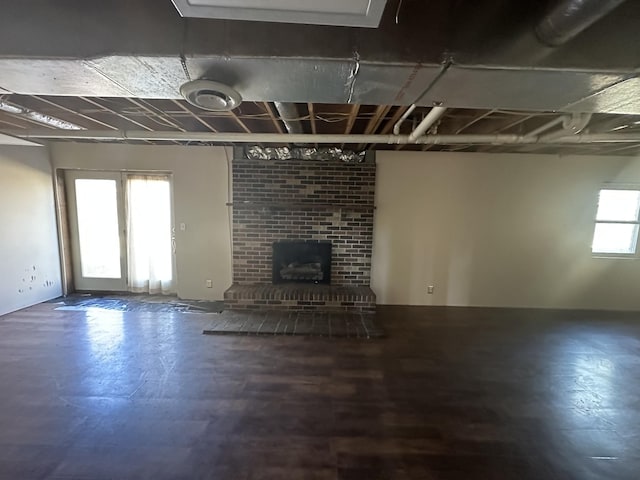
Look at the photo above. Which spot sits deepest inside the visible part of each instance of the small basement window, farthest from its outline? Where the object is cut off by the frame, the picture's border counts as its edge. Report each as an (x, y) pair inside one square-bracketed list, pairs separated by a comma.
[(617, 221)]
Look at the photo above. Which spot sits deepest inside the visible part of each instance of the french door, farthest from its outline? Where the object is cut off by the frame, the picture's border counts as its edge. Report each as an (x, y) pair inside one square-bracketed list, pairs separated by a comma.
[(121, 231)]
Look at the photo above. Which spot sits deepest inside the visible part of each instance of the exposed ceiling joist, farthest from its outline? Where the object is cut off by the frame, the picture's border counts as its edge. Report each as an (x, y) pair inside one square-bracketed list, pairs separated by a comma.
[(174, 116), (194, 116), (276, 123)]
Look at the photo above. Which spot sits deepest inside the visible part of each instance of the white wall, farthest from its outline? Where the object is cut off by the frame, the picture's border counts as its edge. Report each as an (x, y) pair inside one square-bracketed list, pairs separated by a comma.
[(30, 266), (200, 187), (484, 229), (497, 230)]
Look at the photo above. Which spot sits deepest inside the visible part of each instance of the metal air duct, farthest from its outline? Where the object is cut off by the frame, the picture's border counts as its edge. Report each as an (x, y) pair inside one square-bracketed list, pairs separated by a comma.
[(290, 117)]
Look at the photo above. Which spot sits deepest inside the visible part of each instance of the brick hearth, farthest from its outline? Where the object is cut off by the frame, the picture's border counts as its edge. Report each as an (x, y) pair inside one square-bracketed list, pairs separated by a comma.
[(302, 200), (300, 297)]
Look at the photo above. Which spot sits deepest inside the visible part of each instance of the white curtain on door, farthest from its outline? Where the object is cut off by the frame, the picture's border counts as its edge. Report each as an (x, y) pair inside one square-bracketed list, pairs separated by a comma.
[(149, 239)]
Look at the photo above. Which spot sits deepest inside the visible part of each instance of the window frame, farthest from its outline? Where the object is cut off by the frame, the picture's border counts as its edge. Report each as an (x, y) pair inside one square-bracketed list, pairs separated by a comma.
[(630, 256)]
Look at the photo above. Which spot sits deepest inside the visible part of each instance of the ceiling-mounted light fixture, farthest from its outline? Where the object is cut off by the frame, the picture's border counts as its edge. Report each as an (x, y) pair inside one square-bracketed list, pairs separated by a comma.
[(349, 13), (210, 95), (38, 117)]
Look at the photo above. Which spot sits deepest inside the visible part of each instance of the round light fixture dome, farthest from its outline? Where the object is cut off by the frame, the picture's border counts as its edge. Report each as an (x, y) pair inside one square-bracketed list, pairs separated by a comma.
[(210, 95)]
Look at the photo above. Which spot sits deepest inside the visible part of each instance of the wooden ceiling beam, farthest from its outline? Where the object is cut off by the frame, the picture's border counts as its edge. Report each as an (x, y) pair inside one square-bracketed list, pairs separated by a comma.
[(475, 120), (515, 123), (107, 109), (11, 124), (312, 118), (377, 118), (388, 128), (124, 117), (374, 122), (189, 112), (239, 122), (156, 112), (69, 110), (274, 120), (351, 119), (392, 121)]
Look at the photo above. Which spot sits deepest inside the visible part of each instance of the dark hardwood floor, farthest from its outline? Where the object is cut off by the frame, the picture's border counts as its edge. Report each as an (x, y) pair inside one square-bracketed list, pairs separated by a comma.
[(450, 394)]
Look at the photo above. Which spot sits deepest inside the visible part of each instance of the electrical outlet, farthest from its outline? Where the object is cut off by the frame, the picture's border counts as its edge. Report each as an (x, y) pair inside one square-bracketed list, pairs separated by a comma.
[(430, 289), (209, 284)]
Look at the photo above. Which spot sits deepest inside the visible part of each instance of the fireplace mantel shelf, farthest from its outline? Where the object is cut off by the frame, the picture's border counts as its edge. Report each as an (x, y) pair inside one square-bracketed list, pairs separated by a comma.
[(319, 206)]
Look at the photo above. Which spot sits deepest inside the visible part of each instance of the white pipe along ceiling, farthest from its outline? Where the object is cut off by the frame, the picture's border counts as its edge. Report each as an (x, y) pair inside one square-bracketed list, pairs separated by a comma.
[(321, 138), (427, 122)]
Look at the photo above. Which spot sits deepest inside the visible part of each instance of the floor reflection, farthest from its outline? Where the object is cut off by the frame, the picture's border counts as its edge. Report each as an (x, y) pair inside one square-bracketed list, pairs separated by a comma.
[(584, 378), (105, 330), (584, 398), (110, 371)]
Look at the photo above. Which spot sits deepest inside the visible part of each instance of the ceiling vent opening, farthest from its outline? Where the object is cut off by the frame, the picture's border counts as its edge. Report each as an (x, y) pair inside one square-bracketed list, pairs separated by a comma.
[(210, 95)]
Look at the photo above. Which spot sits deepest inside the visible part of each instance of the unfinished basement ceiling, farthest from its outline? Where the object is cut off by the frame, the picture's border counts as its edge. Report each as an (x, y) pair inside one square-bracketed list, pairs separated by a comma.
[(63, 60), (163, 115)]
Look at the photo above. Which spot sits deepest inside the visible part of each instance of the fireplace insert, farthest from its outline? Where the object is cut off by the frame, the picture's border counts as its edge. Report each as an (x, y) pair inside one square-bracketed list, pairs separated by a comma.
[(300, 261)]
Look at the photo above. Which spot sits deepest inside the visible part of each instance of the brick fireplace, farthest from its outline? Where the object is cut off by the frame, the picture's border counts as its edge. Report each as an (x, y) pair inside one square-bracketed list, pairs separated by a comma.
[(309, 201)]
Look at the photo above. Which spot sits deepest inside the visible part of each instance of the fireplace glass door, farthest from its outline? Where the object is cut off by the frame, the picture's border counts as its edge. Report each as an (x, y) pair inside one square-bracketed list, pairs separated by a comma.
[(302, 262)]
